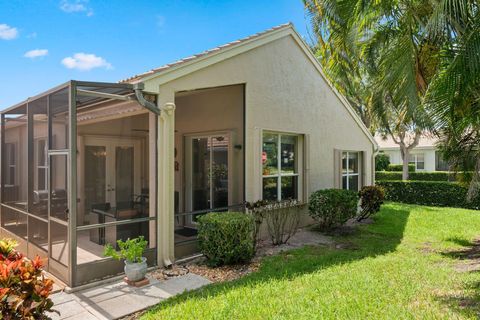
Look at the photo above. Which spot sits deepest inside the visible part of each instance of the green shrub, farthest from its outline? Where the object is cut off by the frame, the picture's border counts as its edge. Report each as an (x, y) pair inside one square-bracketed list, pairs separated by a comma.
[(371, 199), (226, 237), (399, 167), (381, 162), (281, 217), (414, 176), (333, 207), (463, 176), (432, 193)]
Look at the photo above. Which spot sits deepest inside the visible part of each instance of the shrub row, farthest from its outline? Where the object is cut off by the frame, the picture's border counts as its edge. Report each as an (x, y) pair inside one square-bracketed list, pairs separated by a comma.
[(399, 167), (432, 193), (416, 176), (425, 176)]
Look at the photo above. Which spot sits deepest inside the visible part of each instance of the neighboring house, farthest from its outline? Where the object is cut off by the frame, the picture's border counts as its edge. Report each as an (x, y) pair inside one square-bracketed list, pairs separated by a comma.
[(425, 156), (253, 119)]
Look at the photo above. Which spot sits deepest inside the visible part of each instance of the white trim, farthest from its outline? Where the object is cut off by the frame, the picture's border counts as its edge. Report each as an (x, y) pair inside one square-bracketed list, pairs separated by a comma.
[(347, 173), (299, 159), (415, 160), (111, 143)]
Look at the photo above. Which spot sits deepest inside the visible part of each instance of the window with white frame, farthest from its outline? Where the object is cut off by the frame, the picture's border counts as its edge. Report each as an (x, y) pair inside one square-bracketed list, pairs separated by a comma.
[(351, 170), (41, 164), (417, 159), (440, 163), (10, 163), (280, 166)]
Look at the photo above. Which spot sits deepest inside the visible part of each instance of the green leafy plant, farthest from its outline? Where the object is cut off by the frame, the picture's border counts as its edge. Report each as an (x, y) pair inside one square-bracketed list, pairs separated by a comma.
[(431, 193), (399, 168), (130, 249), (333, 207), (226, 237), (24, 290), (281, 217), (381, 162), (417, 176), (371, 199)]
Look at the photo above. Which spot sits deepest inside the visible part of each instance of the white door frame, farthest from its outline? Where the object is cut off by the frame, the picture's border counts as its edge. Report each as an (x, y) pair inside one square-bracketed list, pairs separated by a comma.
[(110, 143)]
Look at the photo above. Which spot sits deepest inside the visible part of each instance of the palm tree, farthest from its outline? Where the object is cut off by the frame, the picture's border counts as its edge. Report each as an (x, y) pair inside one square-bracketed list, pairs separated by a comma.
[(386, 45), (453, 98)]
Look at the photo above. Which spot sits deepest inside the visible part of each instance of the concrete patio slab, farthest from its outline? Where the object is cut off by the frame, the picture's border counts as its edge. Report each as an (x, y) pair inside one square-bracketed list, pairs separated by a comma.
[(116, 300)]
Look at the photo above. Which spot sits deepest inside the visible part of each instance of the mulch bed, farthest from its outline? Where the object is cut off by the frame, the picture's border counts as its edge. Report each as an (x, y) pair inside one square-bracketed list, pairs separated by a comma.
[(214, 274), (224, 273)]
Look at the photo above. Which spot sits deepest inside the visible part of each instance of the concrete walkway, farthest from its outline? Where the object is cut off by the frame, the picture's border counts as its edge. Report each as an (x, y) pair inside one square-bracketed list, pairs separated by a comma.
[(116, 300)]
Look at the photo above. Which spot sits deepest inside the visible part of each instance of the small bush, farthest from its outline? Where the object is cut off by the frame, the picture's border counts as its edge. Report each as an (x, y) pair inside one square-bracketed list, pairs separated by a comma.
[(371, 198), (333, 207), (24, 291), (131, 250), (381, 162), (282, 218), (226, 237), (399, 167), (431, 193), (414, 176)]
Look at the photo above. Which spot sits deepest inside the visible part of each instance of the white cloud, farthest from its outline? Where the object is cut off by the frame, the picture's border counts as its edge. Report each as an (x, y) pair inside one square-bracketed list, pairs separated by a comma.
[(85, 61), (76, 6), (32, 35), (36, 53), (7, 32)]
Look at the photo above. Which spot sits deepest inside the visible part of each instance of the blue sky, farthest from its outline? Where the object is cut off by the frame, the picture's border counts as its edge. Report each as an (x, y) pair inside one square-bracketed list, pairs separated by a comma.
[(44, 43)]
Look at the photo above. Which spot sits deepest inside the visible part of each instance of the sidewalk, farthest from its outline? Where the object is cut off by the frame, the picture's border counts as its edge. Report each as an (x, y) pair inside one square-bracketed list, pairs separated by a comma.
[(116, 300)]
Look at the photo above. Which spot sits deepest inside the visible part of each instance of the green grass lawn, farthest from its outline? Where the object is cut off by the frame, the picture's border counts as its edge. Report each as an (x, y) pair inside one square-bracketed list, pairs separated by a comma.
[(403, 266)]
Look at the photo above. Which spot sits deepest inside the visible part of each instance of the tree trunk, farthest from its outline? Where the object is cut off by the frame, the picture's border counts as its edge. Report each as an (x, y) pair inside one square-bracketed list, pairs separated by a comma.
[(405, 155)]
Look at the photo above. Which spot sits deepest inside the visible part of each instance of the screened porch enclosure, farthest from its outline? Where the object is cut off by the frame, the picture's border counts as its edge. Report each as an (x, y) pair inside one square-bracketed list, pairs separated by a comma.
[(78, 164)]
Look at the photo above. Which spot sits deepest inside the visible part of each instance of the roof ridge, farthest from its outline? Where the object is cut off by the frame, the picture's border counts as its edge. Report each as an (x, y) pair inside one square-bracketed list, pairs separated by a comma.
[(206, 52)]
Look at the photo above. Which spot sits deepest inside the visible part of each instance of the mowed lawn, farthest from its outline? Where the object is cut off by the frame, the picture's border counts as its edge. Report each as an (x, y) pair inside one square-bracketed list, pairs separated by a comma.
[(408, 264)]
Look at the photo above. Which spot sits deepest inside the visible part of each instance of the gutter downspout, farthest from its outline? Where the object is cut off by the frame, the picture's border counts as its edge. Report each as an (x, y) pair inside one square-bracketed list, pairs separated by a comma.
[(168, 109), (376, 150), (138, 88)]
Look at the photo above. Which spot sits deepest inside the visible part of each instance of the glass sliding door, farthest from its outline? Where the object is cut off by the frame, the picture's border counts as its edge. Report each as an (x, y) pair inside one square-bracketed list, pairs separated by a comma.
[(207, 173)]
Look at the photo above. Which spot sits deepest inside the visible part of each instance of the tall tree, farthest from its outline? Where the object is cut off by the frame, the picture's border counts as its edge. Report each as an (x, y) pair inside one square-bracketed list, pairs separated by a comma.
[(453, 98), (386, 44)]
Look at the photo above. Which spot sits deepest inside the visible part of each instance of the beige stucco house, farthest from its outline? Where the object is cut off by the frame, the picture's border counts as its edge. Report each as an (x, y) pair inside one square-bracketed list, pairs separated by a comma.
[(87, 163)]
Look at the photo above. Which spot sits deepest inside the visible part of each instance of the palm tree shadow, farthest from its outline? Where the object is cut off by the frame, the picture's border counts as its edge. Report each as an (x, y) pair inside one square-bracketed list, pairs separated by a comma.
[(468, 261), (379, 238)]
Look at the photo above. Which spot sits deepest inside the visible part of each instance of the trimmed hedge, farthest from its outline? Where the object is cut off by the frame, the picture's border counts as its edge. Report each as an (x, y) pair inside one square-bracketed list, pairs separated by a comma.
[(332, 207), (415, 176), (226, 237), (399, 167), (430, 193), (465, 176)]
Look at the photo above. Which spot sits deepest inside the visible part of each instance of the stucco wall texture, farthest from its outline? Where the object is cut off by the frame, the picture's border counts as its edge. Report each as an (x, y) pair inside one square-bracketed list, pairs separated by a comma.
[(284, 92)]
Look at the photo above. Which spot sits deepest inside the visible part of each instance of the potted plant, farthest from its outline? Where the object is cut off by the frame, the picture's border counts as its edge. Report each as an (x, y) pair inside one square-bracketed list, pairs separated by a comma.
[(131, 251)]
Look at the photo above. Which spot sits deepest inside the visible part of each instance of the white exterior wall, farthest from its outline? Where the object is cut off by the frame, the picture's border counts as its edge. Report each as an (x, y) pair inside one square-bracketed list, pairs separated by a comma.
[(429, 154), (285, 93)]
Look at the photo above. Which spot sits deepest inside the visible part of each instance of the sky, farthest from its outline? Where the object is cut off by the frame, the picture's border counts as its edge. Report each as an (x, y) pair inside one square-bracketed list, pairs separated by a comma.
[(44, 43)]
